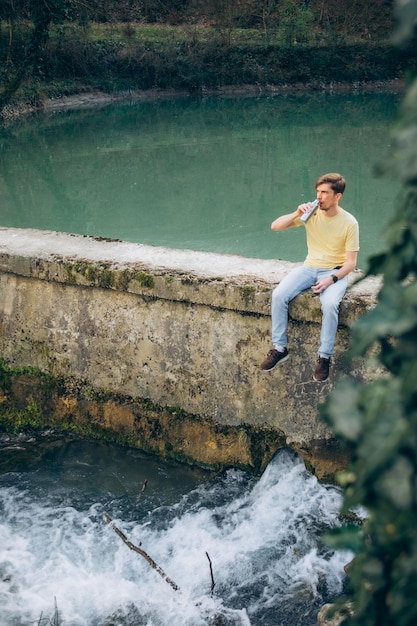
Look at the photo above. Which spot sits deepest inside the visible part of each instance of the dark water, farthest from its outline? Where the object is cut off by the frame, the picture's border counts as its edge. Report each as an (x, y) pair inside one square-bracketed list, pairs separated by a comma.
[(205, 174), (60, 559)]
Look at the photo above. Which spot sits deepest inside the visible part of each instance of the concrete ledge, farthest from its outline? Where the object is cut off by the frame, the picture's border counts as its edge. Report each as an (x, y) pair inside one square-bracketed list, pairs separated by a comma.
[(222, 281), (177, 328)]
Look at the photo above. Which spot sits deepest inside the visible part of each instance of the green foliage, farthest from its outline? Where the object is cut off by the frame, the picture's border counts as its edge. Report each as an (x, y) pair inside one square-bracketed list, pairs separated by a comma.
[(176, 64), (49, 49), (295, 22), (378, 420), (39, 15)]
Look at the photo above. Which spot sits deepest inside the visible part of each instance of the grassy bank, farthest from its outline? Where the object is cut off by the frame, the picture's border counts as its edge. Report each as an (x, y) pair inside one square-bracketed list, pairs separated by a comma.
[(114, 58)]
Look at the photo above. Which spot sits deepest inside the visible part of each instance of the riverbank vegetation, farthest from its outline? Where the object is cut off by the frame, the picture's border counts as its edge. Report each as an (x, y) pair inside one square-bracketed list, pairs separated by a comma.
[(68, 46), (378, 420)]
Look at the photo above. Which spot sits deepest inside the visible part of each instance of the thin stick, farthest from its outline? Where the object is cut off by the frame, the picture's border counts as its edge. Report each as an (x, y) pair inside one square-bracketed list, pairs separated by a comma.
[(56, 614), (146, 556), (213, 584), (144, 485)]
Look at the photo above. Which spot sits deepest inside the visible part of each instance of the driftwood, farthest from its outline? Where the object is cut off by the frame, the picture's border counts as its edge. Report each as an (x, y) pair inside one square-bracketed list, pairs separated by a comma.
[(213, 584), (146, 556), (149, 559)]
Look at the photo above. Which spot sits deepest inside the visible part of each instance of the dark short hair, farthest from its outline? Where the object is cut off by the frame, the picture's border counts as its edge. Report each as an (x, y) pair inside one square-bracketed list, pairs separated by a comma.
[(336, 182)]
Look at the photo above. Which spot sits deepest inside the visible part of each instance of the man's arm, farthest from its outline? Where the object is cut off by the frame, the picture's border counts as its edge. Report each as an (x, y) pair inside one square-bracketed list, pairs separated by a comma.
[(288, 221), (347, 267)]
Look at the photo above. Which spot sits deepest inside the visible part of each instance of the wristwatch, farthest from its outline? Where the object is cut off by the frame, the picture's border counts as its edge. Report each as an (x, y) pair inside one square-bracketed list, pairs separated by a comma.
[(334, 277)]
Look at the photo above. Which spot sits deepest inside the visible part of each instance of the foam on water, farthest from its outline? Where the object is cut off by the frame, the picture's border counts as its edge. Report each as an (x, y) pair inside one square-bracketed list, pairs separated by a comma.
[(261, 535)]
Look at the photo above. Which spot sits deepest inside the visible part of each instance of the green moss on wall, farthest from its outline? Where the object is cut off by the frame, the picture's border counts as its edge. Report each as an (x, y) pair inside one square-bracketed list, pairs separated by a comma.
[(248, 293), (145, 279), (31, 401), (105, 278)]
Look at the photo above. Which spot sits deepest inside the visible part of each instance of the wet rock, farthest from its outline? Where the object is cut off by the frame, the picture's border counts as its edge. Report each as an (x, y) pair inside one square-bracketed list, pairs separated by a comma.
[(325, 618)]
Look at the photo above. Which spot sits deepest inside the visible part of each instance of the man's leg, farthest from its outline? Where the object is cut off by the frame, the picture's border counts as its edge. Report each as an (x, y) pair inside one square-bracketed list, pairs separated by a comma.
[(295, 282), (330, 300)]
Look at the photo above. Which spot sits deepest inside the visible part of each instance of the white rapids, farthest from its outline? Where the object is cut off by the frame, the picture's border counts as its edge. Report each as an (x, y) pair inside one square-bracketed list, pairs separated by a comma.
[(60, 563)]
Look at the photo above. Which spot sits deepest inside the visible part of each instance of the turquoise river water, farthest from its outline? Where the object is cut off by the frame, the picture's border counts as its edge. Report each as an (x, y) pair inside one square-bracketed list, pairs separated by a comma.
[(205, 174)]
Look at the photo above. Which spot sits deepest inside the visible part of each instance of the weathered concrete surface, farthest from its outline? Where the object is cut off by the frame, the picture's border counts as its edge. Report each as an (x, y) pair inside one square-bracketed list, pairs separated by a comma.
[(184, 330)]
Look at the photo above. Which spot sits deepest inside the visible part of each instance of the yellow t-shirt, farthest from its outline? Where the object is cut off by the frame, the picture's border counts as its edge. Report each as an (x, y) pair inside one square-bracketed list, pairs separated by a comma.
[(329, 238)]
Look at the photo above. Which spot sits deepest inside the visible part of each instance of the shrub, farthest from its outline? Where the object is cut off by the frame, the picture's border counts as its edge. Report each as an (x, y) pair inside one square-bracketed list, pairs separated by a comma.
[(378, 420)]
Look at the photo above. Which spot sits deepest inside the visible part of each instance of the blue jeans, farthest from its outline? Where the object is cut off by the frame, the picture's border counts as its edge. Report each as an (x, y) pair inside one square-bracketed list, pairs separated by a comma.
[(294, 283)]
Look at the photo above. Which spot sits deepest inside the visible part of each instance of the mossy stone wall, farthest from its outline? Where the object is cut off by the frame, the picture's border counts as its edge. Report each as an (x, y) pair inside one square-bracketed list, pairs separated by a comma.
[(162, 347)]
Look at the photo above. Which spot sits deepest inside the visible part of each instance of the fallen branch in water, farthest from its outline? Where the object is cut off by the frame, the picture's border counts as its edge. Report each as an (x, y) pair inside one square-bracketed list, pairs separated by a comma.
[(144, 485), (213, 584), (146, 556), (43, 620)]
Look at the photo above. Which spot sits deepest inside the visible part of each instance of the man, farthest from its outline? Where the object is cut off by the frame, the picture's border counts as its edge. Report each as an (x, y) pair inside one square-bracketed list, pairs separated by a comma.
[(333, 244)]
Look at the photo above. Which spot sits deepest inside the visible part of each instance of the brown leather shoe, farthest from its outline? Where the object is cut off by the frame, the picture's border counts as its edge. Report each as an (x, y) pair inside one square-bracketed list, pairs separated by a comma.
[(321, 373), (273, 358)]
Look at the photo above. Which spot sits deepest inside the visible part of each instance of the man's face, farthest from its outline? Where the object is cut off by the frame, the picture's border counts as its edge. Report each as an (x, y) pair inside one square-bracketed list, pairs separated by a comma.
[(327, 197)]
